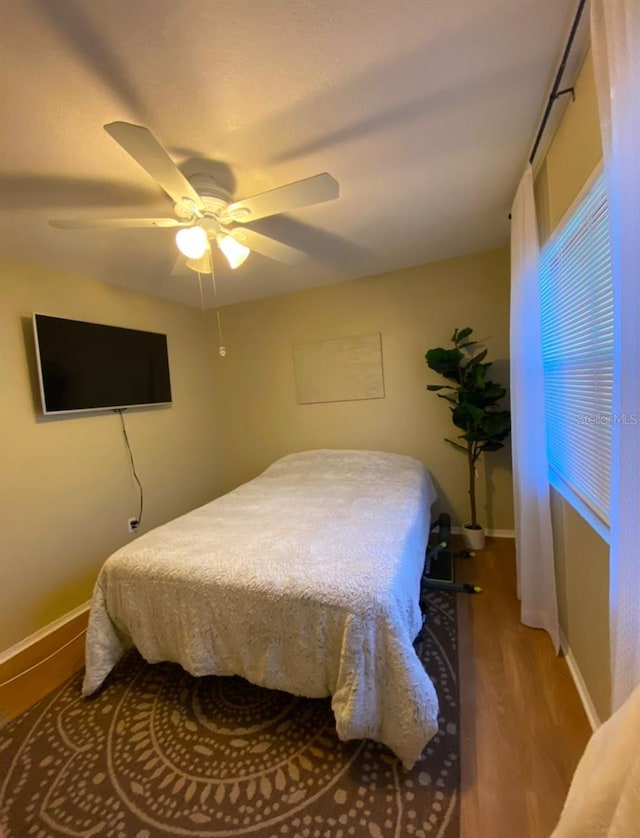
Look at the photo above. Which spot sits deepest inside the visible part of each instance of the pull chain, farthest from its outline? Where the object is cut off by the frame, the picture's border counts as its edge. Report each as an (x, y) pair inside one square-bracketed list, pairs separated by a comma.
[(222, 349)]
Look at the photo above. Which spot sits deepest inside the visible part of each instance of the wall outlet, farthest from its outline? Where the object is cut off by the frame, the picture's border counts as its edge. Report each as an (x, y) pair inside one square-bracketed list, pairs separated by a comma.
[(133, 524)]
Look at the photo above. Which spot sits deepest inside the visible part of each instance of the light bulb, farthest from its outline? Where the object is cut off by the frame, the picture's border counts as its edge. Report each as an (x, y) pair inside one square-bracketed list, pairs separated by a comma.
[(192, 242), (235, 252)]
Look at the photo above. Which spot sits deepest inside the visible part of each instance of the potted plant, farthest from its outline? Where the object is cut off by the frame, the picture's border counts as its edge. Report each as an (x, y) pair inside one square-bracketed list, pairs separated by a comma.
[(475, 410)]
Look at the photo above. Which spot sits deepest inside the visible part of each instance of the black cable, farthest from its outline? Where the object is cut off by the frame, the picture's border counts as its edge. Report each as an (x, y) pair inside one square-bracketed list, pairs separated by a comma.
[(133, 465)]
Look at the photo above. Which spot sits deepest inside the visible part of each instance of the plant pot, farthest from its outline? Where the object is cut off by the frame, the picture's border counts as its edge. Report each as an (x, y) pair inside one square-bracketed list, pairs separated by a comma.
[(473, 538)]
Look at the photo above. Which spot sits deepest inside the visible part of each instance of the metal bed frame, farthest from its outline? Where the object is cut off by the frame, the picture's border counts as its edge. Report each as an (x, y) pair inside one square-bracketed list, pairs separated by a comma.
[(439, 568)]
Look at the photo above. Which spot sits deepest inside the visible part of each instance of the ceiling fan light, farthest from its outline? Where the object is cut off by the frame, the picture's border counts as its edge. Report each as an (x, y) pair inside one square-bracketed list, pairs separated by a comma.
[(235, 252), (192, 242)]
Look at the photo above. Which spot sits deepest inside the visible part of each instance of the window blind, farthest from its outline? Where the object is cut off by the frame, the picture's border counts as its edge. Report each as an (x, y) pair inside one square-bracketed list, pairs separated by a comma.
[(576, 296)]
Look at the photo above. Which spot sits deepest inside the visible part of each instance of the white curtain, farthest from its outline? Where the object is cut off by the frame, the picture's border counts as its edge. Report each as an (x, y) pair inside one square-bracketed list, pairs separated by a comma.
[(534, 541), (615, 39)]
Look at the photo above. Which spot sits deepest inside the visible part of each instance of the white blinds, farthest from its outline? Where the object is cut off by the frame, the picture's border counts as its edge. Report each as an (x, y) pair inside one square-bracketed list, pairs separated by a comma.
[(576, 297)]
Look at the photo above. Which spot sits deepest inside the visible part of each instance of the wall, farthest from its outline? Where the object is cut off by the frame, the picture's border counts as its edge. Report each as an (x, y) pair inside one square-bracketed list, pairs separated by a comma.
[(67, 489), (414, 310), (582, 557), (575, 151)]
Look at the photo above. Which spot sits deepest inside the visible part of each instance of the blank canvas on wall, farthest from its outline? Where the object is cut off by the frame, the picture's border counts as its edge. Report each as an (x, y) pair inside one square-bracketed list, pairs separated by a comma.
[(345, 369)]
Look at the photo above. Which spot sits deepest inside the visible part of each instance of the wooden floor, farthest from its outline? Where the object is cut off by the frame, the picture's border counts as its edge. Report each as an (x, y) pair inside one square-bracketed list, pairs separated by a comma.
[(522, 723)]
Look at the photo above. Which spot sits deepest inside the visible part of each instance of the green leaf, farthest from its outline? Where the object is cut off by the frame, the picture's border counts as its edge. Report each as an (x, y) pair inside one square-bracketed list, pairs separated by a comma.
[(476, 375), (491, 446), (467, 416), (478, 358), (446, 362), (497, 423), (461, 335), (434, 387), (456, 445), (493, 391), (486, 395)]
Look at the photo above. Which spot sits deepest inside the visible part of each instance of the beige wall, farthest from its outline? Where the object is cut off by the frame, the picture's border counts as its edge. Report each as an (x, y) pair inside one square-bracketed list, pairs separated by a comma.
[(582, 557), (67, 490), (576, 148), (414, 310), (582, 574)]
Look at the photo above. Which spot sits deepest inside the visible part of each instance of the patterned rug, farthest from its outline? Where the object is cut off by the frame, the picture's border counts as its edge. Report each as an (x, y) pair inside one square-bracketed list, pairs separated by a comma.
[(159, 752)]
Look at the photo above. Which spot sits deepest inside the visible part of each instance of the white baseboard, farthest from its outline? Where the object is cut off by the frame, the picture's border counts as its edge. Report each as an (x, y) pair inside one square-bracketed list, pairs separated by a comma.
[(43, 632), (492, 533), (578, 680)]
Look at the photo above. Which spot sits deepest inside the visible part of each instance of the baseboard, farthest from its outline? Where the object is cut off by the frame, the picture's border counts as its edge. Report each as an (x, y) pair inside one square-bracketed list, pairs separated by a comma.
[(581, 687), (31, 669), (491, 533), (51, 628)]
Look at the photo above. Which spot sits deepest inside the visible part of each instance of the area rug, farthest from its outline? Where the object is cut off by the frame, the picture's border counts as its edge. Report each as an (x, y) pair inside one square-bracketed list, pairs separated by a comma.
[(159, 752)]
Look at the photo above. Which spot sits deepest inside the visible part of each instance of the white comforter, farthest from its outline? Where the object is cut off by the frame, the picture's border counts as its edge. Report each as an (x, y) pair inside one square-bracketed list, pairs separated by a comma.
[(305, 579)]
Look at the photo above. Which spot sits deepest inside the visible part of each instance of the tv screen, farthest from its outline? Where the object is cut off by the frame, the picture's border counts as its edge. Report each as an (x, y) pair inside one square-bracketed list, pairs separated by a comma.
[(89, 366)]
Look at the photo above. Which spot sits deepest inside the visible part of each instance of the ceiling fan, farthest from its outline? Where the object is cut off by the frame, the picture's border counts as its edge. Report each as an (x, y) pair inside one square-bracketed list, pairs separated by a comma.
[(203, 211)]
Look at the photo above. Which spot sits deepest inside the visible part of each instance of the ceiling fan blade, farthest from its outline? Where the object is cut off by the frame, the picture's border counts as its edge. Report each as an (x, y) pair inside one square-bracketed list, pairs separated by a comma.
[(269, 247), (82, 223), (301, 193), (145, 149)]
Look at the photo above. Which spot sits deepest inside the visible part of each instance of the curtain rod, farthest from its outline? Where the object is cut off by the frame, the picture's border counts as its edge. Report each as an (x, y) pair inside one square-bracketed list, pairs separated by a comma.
[(555, 92)]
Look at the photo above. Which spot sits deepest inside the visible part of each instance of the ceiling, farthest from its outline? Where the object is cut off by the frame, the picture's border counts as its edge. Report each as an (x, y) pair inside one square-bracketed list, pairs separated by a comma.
[(424, 111)]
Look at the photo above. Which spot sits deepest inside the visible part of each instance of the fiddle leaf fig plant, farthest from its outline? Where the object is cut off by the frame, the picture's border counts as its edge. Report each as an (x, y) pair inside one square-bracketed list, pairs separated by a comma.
[(473, 401)]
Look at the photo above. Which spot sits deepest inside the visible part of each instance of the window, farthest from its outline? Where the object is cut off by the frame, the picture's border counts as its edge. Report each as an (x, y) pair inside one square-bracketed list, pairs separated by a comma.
[(576, 296)]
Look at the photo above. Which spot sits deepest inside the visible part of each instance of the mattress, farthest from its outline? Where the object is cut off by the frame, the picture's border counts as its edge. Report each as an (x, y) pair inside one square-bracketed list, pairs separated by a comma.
[(305, 579)]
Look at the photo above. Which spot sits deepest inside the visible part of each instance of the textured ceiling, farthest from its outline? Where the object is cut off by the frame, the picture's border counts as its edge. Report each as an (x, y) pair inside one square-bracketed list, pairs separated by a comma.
[(423, 110)]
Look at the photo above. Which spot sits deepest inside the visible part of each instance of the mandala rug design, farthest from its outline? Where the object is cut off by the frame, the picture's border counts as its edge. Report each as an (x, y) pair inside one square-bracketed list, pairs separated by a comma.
[(158, 752)]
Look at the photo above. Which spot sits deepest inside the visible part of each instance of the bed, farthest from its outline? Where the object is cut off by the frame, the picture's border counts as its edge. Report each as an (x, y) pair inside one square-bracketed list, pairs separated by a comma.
[(305, 579)]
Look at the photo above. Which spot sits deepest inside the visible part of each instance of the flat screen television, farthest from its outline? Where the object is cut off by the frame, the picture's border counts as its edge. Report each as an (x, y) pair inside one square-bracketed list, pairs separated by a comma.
[(89, 366)]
